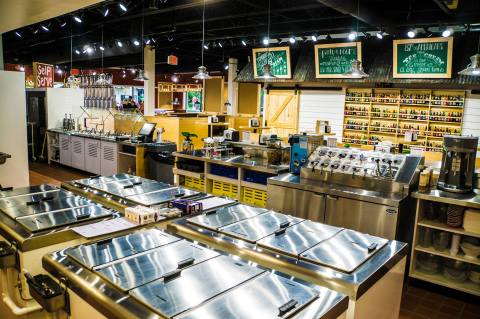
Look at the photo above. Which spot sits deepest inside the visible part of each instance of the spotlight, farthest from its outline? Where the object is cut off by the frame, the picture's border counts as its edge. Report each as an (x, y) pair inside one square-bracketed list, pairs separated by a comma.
[(174, 78), (119, 44), (77, 52), (45, 28), (447, 32), (205, 46), (292, 40), (124, 75), (102, 48), (352, 36), (107, 11), (94, 73), (244, 43), (18, 34), (265, 41), (148, 42), (35, 31), (411, 33), (77, 18), (59, 72), (22, 69), (220, 44), (133, 71), (328, 37), (89, 50), (379, 35), (225, 66), (314, 37), (123, 7), (136, 43), (63, 24)]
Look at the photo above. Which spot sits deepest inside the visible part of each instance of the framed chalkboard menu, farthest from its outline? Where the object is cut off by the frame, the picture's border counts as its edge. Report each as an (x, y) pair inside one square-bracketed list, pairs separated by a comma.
[(278, 58), (334, 59), (422, 58)]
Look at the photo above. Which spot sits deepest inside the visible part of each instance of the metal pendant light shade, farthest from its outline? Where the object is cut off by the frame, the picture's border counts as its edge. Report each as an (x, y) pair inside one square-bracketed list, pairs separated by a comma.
[(473, 69), (202, 74), (141, 76), (267, 72), (357, 71)]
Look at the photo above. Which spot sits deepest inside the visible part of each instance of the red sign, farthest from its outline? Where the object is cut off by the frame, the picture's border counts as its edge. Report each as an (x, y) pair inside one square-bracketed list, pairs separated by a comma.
[(43, 75), (172, 60)]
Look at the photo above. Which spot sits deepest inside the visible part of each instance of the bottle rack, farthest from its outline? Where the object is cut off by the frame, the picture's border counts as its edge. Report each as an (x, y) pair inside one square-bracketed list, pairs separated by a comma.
[(374, 115)]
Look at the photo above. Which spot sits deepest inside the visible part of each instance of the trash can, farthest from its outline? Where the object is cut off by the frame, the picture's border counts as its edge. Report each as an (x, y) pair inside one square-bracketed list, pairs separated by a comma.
[(159, 162)]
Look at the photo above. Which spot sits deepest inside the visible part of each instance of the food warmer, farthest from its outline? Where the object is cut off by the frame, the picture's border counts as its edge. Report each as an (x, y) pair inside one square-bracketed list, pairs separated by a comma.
[(152, 274), (367, 268)]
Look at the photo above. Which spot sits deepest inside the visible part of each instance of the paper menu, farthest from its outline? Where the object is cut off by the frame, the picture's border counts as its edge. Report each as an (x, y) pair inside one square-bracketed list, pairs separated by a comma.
[(104, 227), (213, 202)]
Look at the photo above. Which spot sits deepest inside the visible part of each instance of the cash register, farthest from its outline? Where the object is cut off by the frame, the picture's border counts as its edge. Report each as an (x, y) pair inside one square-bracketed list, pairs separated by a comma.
[(145, 135)]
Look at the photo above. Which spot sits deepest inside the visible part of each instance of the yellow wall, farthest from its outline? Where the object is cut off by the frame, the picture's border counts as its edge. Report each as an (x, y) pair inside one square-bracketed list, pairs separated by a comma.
[(213, 95), (248, 98)]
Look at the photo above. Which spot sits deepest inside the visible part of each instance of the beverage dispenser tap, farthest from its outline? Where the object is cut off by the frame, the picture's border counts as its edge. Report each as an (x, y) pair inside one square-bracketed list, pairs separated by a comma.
[(378, 166), (390, 172)]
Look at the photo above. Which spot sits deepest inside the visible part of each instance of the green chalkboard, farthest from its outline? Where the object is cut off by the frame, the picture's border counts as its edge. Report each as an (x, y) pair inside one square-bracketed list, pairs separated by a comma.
[(278, 58), (334, 59), (422, 58)]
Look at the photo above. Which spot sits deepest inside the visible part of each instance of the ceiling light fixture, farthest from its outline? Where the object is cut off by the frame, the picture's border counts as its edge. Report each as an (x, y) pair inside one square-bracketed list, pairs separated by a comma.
[(473, 68), (77, 18), (77, 52), (266, 41), (123, 7), (89, 50), (292, 40), (119, 44), (205, 46), (267, 69), (379, 35), (59, 71), (352, 35), (136, 43), (356, 72), (22, 68), (411, 33), (141, 72), (18, 34), (220, 44), (447, 32), (244, 43), (174, 78), (107, 11), (225, 66), (102, 48), (63, 24), (202, 73), (314, 37)]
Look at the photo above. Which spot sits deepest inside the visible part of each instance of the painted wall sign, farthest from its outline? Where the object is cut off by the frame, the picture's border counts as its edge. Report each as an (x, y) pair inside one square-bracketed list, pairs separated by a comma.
[(423, 58), (43, 75), (278, 58), (332, 60)]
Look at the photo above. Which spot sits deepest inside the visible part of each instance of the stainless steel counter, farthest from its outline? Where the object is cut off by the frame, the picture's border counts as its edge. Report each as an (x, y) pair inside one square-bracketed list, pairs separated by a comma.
[(254, 164), (341, 259), (377, 197), (181, 279), (471, 200)]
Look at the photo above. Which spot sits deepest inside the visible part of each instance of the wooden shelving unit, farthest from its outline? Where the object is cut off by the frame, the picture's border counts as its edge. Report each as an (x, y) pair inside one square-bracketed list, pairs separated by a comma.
[(422, 223), (375, 115)]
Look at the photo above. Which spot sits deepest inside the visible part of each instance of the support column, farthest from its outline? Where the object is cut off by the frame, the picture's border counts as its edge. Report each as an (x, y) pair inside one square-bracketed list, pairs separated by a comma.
[(232, 86), (149, 86), (1, 53)]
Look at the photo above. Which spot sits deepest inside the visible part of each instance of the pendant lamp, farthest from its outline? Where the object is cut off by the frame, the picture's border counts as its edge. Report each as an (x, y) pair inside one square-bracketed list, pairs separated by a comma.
[(357, 69), (267, 68), (141, 72), (202, 73), (71, 80), (473, 69), (102, 77)]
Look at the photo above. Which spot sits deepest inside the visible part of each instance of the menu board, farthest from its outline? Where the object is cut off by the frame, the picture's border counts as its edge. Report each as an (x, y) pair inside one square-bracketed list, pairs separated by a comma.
[(278, 58), (334, 59), (422, 58), (43, 75)]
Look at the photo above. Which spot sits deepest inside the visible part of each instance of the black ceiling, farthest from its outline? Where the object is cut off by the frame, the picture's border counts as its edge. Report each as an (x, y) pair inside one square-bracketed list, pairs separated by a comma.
[(176, 26)]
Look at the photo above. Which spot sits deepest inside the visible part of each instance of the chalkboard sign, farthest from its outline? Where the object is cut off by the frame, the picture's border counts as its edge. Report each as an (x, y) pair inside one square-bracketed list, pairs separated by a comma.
[(42, 75), (278, 58), (334, 59), (422, 58)]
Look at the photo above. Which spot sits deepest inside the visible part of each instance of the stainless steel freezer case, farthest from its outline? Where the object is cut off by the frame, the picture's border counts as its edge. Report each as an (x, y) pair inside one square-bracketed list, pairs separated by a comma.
[(364, 202)]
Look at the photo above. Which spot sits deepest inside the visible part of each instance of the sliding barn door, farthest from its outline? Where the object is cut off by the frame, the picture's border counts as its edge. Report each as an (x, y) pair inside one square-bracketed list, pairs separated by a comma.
[(281, 112)]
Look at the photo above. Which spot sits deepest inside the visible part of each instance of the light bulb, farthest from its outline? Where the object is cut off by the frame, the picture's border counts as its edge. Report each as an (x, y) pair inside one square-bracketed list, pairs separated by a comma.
[(352, 36)]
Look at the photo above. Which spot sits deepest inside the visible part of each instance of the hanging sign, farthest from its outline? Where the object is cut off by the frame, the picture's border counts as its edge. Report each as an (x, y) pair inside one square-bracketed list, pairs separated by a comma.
[(172, 60), (334, 59), (43, 75), (278, 58), (423, 58)]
